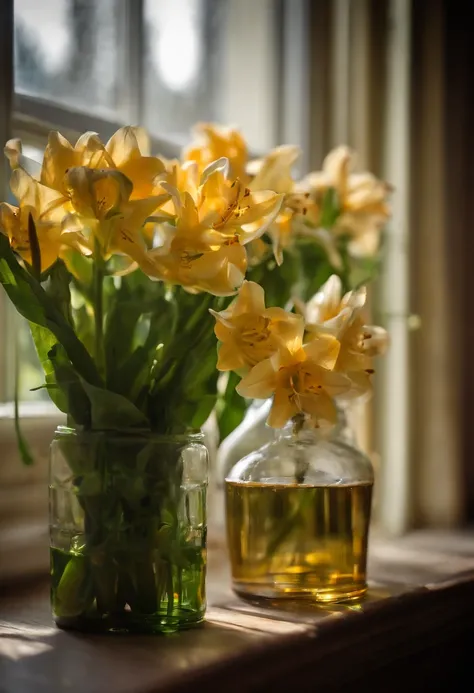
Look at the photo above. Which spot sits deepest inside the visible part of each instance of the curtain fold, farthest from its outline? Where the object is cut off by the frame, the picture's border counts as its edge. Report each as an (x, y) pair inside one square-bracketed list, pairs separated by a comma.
[(437, 486)]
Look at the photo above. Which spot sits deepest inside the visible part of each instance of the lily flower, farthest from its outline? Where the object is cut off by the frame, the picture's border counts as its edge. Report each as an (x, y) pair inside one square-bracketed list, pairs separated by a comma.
[(274, 172), (104, 211), (205, 250), (46, 209), (328, 310), (126, 152), (235, 210), (361, 196), (213, 142), (360, 343), (300, 379), (249, 332), (331, 312), (195, 255)]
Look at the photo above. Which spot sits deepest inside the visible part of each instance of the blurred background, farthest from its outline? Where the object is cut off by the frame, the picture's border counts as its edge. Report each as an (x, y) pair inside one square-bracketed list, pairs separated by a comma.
[(390, 78)]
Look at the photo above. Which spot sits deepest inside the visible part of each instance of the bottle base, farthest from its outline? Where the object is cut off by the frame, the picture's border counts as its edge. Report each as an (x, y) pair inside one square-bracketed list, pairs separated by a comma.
[(318, 595), (128, 624)]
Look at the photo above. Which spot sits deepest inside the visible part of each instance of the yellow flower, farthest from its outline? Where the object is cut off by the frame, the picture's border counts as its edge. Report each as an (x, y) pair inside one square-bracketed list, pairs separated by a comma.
[(274, 172), (233, 209), (329, 310), (300, 379), (341, 316), (185, 176), (205, 250), (46, 209), (103, 210), (362, 198), (258, 251), (123, 152), (214, 142), (249, 332), (196, 256), (359, 345)]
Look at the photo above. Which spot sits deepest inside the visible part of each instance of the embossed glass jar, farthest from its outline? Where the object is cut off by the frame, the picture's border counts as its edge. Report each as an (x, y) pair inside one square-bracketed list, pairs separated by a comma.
[(128, 531)]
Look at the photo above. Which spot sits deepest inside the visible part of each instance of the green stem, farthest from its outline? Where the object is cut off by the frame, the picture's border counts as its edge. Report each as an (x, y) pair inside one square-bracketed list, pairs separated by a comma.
[(98, 299), (301, 464)]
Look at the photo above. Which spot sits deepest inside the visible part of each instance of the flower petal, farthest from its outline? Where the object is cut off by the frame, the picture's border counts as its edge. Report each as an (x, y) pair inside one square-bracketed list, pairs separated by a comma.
[(284, 407), (320, 407), (334, 384), (142, 172), (260, 382), (229, 358), (323, 350), (374, 340), (251, 299)]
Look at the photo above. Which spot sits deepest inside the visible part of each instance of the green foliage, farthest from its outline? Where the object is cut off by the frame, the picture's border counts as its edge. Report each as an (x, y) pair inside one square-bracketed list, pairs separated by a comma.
[(158, 346), (32, 301), (331, 209), (110, 410)]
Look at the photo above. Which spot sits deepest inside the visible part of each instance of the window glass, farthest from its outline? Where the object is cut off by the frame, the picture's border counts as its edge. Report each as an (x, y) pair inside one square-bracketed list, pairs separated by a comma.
[(211, 60), (181, 56), (67, 51)]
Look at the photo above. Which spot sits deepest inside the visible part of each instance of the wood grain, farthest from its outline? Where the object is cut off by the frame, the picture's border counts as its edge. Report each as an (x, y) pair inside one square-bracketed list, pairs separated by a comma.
[(415, 625)]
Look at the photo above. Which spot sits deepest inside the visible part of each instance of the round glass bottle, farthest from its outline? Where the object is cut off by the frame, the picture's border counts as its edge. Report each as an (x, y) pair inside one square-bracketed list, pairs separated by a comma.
[(128, 531), (298, 513)]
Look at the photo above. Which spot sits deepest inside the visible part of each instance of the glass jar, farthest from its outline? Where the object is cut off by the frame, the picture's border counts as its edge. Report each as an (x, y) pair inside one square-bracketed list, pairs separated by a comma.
[(128, 531), (298, 513)]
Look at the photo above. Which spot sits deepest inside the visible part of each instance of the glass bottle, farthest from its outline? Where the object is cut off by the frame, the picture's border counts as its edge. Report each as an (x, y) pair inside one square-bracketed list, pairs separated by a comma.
[(298, 513), (128, 531)]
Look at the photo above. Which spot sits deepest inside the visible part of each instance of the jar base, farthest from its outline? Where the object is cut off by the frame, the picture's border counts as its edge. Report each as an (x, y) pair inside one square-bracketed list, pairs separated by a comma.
[(320, 595), (127, 624)]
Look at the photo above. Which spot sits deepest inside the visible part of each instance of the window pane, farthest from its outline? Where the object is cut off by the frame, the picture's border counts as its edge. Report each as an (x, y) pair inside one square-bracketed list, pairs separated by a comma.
[(181, 60), (210, 60), (66, 51)]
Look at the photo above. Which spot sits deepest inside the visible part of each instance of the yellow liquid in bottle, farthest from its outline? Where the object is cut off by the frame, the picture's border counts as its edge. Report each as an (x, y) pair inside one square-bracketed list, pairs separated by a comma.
[(298, 540)]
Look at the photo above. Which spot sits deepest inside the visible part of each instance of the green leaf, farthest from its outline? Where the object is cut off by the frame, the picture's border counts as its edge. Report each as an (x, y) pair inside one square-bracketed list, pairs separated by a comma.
[(110, 411), (91, 484), (75, 400), (72, 595), (23, 447), (80, 267), (203, 410), (231, 409), (31, 301), (44, 341), (315, 269), (34, 247), (331, 209), (57, 286)]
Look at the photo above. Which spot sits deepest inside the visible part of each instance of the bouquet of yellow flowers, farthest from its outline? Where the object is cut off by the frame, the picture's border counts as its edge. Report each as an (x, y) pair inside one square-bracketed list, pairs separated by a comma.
[(329, 223), (121, 262)]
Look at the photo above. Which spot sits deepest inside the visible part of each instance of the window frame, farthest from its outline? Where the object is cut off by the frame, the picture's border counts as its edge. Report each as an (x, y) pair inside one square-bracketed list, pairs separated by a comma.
[(298, 103), (31, 118)]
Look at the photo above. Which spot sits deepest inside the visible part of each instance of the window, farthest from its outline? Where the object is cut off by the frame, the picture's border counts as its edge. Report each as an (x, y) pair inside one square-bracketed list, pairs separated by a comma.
[(81, 64), (164, 64), (87, 65), (310, 72), (68, 53)]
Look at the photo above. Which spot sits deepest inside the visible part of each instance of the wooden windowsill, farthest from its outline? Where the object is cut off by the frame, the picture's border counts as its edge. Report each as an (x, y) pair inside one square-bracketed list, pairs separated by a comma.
[(414, 628)]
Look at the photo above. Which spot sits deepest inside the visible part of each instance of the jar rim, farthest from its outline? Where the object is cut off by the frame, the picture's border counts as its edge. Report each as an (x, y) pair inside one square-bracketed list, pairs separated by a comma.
[(130, 434)]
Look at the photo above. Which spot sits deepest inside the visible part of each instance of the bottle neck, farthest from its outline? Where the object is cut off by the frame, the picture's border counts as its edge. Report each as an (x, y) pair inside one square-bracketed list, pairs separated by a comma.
[(300, 429)]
